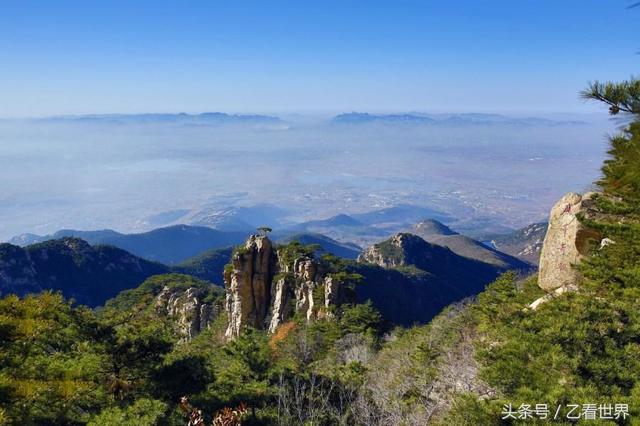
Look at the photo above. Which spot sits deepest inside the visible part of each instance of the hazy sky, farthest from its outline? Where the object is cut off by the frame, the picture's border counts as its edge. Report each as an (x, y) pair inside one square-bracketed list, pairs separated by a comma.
[(64, 57)]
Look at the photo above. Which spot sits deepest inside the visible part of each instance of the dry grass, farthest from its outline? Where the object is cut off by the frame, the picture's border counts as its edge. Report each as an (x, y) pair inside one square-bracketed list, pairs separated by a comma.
[(281, 334)]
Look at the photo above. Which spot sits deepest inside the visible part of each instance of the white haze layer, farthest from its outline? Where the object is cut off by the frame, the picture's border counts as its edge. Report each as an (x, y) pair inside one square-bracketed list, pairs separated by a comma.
[(91, 176)]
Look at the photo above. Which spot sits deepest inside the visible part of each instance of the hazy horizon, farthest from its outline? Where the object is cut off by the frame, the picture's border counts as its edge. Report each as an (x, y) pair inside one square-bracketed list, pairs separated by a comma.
[(95, 175)]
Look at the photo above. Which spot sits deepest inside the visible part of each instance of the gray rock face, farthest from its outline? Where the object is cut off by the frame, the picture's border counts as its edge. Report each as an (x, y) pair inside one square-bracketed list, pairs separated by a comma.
[(282, 307), (305, 274), (191, 313), (389, 254), (567, 241), (248, 285), (263, 291), (332, 292)]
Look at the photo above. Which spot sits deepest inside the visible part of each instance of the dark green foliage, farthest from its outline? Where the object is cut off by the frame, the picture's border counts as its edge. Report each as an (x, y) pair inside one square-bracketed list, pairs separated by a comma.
[(60, 364), (579, 347), (143, 412), (468, 410), (244, 370), (288, 253), (621, 97), (327, 245), (621, 172), (187, 375), (142, 297), (67, 365), (207, 266), (90, 275), (361, 319), (50, 361)]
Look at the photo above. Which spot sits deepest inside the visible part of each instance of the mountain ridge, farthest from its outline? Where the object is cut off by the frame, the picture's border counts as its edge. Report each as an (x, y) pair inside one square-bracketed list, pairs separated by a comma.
[(454, 119), (88, 274), (169, 245), (436, 232)]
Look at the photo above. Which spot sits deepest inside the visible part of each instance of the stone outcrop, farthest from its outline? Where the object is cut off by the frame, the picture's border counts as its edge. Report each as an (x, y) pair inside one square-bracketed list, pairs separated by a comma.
[(392, 252), (264, 288), (333, 292), (567, 241), (550, 296), (188, 308)]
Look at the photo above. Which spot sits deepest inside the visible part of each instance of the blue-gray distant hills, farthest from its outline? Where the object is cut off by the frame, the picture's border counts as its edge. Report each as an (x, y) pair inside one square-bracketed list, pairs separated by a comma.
[(455, 120), (365, 228), (169, 245), (205, 118), (363, 117), (175, 245)]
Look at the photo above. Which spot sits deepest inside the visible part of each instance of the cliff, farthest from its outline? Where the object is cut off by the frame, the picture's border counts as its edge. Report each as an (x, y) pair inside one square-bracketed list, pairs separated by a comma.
[(267, 285), (188, 308)]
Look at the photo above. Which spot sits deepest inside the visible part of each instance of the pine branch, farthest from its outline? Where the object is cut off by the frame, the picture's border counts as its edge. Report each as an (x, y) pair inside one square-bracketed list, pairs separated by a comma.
[(621, 97)]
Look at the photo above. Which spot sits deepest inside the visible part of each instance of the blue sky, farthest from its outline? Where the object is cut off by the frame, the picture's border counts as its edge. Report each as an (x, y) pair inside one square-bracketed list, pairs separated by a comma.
[(63, 57)]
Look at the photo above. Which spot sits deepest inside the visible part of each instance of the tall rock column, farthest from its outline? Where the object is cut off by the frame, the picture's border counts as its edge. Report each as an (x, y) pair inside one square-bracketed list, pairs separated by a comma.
[(305, 271), (248, 284), (567, 241)]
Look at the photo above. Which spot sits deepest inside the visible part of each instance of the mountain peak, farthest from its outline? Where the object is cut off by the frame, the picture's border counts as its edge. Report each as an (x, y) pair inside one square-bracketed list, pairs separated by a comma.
[(429, 227), (400, 250), (343, 220)]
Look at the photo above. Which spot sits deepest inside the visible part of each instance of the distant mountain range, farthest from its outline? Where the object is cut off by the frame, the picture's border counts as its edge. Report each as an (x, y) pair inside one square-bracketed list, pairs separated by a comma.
[(464, 119), (170, 245), (402, 213), (221, 118), (177, 244), (206, 118), (327, 245), (363, 117), (366, 228)]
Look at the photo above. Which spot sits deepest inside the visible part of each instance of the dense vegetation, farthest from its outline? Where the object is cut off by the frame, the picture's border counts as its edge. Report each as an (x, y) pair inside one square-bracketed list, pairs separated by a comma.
[(88, 274), (61, 364)]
